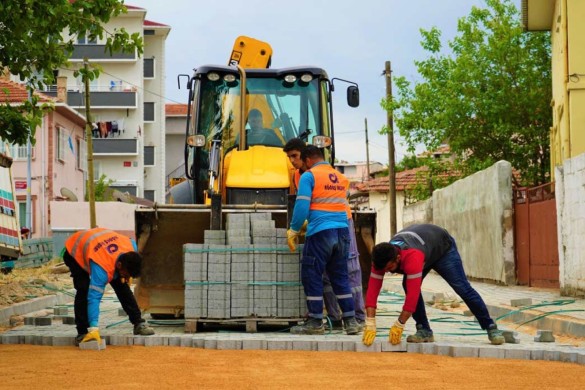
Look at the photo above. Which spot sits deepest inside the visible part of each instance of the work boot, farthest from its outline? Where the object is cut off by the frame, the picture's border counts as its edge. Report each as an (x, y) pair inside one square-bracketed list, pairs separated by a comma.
[(361, 324), (310, 326), (79, 338), (351, 325), (336, 324), (422, 335), (495, 335), (142, 329)]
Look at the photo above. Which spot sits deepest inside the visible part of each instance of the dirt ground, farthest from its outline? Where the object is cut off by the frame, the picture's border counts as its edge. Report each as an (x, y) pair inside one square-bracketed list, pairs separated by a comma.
[(28, 366), (27, 283)]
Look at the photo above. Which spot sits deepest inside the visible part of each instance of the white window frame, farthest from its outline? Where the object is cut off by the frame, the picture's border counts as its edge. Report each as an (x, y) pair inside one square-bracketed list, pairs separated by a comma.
[(62, 143), (81, 155)]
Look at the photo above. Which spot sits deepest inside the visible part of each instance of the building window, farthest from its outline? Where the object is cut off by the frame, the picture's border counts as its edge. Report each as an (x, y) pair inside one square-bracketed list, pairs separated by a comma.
[(62, 141), (149, 32), (82, 155), (149, 111), (82, 40), (149, 194), (149, 156), (18, 152), (149, 68)]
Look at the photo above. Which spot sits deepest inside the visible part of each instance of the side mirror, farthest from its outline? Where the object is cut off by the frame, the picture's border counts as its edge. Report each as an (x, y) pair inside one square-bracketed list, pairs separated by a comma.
[(353, 96)]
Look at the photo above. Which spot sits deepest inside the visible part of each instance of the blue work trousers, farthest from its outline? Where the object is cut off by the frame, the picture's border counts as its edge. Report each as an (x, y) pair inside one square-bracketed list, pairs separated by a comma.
[(326, 251), (450, 267), (355, 282)]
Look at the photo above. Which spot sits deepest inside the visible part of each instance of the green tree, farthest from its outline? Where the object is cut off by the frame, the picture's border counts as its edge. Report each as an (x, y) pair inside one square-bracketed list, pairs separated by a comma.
[(489, 99), (101, 188), (37, 37)]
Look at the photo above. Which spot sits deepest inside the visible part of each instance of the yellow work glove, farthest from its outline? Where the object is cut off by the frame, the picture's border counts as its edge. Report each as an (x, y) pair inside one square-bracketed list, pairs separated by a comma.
[(292, 237), (369, 331), (303, 230), (396, 333), (92, 334)]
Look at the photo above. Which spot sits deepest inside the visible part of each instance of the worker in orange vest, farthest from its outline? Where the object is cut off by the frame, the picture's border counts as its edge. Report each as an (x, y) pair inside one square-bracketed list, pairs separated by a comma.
[(293, 150), (321, 199), (95, 258)]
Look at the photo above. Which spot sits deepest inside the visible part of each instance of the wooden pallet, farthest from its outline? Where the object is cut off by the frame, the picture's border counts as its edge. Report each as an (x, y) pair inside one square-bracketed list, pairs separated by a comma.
[(251, 323)]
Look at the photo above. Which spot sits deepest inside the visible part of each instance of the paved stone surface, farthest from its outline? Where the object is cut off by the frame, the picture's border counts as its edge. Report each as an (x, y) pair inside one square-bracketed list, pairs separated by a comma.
[(456, 334)]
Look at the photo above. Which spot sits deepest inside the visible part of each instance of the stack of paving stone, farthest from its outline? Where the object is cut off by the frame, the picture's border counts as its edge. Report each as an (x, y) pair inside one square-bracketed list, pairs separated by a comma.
[(245, 271), (36, 252)]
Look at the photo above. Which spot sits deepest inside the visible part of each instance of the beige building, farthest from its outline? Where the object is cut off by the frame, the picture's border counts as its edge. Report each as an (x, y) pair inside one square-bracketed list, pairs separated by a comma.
[(564, 19), (176, 122), (127, 106)]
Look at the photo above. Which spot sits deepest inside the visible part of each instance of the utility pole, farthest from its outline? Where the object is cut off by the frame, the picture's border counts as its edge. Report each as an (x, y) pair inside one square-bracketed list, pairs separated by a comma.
[(88, 136), (28, 217), (391, 162), (367, 150)]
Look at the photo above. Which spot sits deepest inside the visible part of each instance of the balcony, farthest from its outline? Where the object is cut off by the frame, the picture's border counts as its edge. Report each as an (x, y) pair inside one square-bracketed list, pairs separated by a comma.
[(99, 53), (115, 146), (100, 97)]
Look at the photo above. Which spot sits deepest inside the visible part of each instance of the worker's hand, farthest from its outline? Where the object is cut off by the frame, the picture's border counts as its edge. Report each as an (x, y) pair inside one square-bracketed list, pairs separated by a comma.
[(396, 333), (92, 334), (303, 229), (292, 237), (369, 331)]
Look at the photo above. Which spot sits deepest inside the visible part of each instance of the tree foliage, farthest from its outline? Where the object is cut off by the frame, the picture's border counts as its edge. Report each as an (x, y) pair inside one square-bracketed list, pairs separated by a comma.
[(37, 37), (489, 99)]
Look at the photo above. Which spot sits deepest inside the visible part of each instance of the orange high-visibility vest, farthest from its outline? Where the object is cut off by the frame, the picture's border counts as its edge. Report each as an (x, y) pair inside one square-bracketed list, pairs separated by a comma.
[(100, 245), (296, 179), (329, 193)]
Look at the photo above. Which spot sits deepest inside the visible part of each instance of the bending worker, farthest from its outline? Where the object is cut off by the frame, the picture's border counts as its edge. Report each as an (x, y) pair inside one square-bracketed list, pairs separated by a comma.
[(95, 258), (293, 150), (413, 252), (321, 200)]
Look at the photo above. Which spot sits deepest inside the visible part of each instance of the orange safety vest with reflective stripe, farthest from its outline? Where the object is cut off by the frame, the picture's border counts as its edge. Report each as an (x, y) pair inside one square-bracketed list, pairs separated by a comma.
[(102, 246), (330, 191), (296, 178)]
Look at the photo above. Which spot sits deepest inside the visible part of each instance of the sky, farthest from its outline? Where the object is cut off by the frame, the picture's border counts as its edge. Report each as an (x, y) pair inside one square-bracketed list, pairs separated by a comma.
[(350, 39)]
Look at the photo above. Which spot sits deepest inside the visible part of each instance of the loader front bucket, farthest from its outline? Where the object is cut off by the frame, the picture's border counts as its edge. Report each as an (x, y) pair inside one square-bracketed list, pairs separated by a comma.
[(160, 288)]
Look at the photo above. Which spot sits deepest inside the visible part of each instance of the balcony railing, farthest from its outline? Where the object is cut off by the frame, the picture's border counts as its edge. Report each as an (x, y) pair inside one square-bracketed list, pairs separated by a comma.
[(99, 53), (115, 146), (113, 96)]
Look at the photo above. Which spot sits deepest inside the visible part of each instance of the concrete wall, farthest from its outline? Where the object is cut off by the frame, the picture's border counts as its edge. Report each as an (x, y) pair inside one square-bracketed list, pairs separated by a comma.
[(570, 199), (75, 216), (420, 212), (478, 212)]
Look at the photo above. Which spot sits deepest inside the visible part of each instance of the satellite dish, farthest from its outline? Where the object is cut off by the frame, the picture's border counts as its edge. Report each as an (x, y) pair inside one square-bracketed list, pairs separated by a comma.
[(68, 194)]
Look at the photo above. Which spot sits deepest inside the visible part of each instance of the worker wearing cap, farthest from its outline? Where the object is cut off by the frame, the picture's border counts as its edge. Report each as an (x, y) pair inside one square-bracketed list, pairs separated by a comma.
[(413, 252), (95, 258), (321, 200)]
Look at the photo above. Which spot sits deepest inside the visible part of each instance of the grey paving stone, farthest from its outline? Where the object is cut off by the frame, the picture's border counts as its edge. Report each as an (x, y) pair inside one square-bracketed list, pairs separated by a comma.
[(536, 354), (60, 311), (208, 344), (63, 340), (443, 349), (350, 346), (329, 345), (118, 339), (229, 344), (68, 320), (278, 345), (551, 355), (568, 356), (254, 344), (428, 348), (153, 341), (360, 347), (544, 336), (93, 345), (305, 345), (511, 337), (521, 302), (464, 351), (138, 340), (174, 341), (492, 352), (581, 358), (413, 347), (388, 347), (518, 353), (10, 339), (187, 341), (43, 321)]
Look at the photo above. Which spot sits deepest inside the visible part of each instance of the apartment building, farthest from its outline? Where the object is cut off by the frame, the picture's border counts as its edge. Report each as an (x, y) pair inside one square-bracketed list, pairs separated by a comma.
[(127, 106)]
